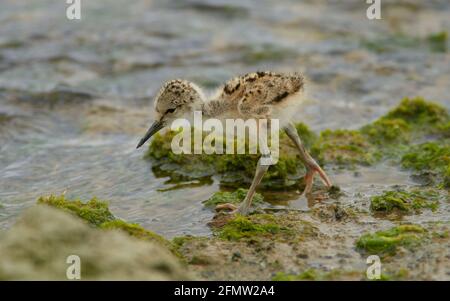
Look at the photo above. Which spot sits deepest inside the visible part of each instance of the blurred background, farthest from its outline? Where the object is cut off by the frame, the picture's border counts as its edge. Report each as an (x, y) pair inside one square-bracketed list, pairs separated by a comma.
[(75, 95)]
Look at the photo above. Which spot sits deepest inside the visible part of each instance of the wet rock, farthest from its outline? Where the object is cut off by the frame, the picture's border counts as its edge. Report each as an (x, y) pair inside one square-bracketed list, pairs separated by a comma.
[(430, 156), (405, 201), (235, 197), (97, 214), (390, 241), (37, 247)]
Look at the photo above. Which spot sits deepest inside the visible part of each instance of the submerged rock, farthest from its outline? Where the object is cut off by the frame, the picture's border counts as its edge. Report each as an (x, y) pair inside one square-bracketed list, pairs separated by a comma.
[(37, 247), (235, 169), (287, 227), (430, 157), (343, 147), (94, 211)]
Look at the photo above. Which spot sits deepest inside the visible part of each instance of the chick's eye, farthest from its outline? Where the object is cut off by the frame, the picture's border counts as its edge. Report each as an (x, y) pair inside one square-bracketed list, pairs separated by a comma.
[(170, 110)]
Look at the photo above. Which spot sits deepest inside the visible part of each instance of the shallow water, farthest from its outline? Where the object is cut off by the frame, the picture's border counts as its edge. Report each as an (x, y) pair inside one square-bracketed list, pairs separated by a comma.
[(75, 96)]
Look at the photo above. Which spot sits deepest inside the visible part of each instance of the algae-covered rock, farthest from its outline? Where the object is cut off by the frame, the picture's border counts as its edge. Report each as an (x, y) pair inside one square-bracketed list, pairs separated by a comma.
[(411, 119), (139, 232), (37, 247), (96, 213), (243, 227), (386, 131), (235, 197), (389, 137), (430, 156), (282, 227), (419, 112), (235, 169), (387, 242), (343, 147), (406, 201)]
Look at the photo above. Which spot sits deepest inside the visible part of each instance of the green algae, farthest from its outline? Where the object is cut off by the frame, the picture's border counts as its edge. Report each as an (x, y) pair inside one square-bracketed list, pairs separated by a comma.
[(405, 201), (95, 212), (430, 156), (385, 131), (235, 197), (418, 112), (244, 227), (234, 168), (134, 230), (412, 119), (438, 41), (387, 242), (286, 228), (179, 241), (309, 274), (343, 147)]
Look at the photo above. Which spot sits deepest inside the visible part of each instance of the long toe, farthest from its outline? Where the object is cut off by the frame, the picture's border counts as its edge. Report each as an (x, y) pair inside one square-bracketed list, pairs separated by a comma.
[(227, 206), (324, 177), (315, 168)]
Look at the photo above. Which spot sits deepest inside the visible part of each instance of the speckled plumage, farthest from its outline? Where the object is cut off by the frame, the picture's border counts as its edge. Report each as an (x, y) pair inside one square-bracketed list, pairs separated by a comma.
[(253, 95)]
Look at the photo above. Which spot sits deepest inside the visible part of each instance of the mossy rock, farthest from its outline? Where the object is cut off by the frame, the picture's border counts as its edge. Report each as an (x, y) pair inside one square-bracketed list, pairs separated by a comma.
[(243, 227), (283, 227), (418, 112), (138, 232), (405, 201), (95, 212), (235, 169), (384, 131), (387, 242), (179, 241), (343, 147), (235, 197), (412, 118), (430, 156), (389, 137)]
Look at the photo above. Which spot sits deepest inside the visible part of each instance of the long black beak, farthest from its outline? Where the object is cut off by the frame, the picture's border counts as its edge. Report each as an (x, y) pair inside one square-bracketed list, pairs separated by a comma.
[(156, 126)]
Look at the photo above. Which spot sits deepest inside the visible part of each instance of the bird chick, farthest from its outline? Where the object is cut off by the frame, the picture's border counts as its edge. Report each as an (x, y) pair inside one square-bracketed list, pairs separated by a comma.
[(259, 95)]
